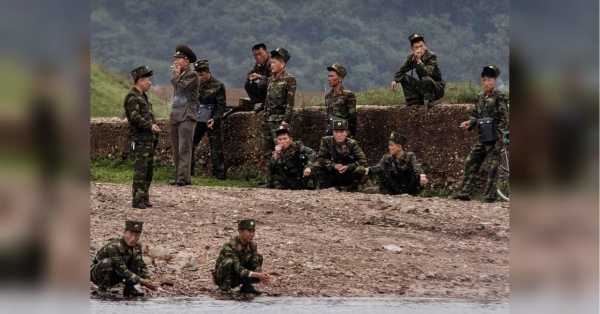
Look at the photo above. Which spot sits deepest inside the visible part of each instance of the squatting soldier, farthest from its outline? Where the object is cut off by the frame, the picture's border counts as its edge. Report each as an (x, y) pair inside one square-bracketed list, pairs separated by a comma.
[(340, 161), (210, 114), (279, 103), (430, 85), (257, 79), (239, 262), (398, 172), (143, 133), (121, 260), (291, 165), (489, 114), (340, 102), (183, 115)]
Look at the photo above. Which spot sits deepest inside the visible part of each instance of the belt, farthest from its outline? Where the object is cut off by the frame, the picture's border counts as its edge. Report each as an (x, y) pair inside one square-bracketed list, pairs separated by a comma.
[(276, 111)]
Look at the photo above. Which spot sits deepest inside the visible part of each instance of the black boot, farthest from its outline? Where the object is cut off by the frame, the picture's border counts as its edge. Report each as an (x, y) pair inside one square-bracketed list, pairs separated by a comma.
[(249, 288), (131, 291)]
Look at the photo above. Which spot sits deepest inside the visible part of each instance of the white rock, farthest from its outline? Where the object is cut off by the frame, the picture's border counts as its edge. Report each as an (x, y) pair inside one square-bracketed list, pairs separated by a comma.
[(393, 248)]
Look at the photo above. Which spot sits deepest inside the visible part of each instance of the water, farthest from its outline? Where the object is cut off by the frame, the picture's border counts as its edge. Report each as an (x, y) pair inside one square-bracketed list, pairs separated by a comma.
[(269, 305)]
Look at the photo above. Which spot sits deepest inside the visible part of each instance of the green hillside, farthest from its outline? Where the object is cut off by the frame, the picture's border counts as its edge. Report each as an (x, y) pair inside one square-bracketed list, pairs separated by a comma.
[(108, 90)]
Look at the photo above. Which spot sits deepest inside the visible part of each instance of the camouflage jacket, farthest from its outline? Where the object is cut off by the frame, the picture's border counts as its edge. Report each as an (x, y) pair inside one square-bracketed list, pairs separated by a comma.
[(343, 105), (493, 106), (348, 153), (239, 254), (289, 160), (428, 67), (264, 70), (138, 111), (404, 166), (213, 93), (185, 96), (122, 258), (281, 93)]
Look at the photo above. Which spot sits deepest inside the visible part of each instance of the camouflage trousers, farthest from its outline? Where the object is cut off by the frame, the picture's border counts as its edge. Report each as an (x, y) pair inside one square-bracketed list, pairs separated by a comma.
[(349, 179), (257, 92), (226, 277), (425, 88), (217, 160), (142, 154), (104, 275), (473, 163), (286, 181), (267, 130), (393, 185)]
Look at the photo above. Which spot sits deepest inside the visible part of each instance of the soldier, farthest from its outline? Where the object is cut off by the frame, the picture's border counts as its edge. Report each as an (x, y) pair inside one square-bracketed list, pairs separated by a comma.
[(210, 114), (143, 133), (489, 114), (257, 79), (279, 103), (398, 172), (429, 85), (121, 260), (340, 161), (183, 115), (239, 262), (291, 165), (340, 102)]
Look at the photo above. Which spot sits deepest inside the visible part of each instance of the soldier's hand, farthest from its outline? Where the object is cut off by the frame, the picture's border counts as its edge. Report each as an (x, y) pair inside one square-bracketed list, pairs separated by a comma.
[(367, 171), (254, 76), (176, 70), (393, 86), (464, 125), (306, 172), (423, 180), (263, 277), (210, 123), (343, 169), (155, 128), (149, 284)]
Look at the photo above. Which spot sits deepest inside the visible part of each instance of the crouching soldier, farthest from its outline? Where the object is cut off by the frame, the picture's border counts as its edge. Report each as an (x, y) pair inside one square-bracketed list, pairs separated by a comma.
[(398, 172), (340, 161), (291, 165), (239, 262), (122, 260)]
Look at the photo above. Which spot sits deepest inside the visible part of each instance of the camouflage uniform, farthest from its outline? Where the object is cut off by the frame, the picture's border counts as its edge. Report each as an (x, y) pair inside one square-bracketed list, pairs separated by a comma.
[(348, 153), (234, 264), (279, 106), (343, 106), (287, 171), (138, 111), (257, 91), (212, 93), (487, 106), (398, 175)]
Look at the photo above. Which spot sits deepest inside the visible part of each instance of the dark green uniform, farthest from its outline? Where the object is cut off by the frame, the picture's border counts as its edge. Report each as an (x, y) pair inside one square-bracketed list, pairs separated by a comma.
[(349, 154), (342, 106), (234, 264), (428, 86), (287, 171), (212, 94), (279, 106), (257, 90), (398, 175), (138, 111), (113, 264)]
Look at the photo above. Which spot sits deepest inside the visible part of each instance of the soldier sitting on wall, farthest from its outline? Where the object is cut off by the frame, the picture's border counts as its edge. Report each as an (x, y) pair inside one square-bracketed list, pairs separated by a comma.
[(291, 165)]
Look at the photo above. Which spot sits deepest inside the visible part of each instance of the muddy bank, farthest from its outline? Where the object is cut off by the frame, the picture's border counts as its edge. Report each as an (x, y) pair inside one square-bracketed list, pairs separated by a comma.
[(325, 244)]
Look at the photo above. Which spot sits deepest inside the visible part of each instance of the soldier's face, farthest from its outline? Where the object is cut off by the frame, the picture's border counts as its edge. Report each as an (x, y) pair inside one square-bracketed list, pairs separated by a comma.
[(395, 149), (182, 63), (340, 135), (260, 55), (277, 65), (419, 47), (131, 238), (246, 236), (284, 140), (204, 76), (488, 83), (334, 79), (145, 83)]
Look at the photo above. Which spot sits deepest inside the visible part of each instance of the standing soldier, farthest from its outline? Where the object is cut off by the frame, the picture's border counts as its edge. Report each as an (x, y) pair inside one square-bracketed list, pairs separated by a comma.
[(291, 165), (183, 115), (210, 113), (239, 262), (279, 103), (340, 161), (257, 79), (489, 114), (143, 133), (340, 102), (121, 260), (429, 85), (398, 172)]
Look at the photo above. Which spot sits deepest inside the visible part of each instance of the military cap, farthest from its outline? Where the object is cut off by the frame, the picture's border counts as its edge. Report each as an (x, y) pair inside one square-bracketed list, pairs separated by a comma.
[(397, 138), (340, 124), (281, 52), (339, 69), (415, 37), (246, 224), (284, 128), (490, 70), (258, 46), (201, 65), (182, 51), (135, 226), (142, 71)]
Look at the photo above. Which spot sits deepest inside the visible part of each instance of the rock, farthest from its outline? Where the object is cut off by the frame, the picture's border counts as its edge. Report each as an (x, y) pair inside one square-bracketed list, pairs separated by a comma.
[(275, 272), (167, 282), (422, 277), (159, 253), (92, 248), (430, 274), (393, 248), (484, 278)]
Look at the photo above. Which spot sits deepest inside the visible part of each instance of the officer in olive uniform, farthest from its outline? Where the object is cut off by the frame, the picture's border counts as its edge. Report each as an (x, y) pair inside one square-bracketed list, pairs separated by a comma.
[(239, 263), (257, 79), (291, 166), (430, 85), (340, 161), (490, 116), (121, 260), (143, 133), (340, 102), (398, 172), (210, 114)]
